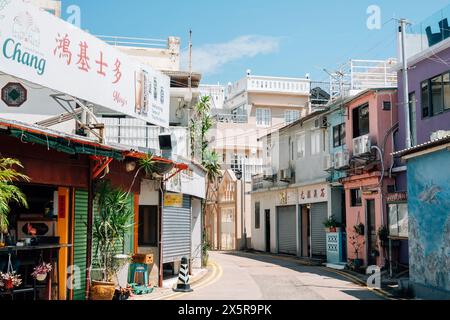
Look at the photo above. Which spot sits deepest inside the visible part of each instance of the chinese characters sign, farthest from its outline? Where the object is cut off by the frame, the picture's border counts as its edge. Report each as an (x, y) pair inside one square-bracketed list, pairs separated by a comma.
[(38, 47), (313, 194)]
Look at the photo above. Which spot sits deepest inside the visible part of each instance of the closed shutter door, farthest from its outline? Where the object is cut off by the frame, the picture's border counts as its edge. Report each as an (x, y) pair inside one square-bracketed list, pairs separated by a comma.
[(318, 235), (80, 244), (287, 239), (176, 225)]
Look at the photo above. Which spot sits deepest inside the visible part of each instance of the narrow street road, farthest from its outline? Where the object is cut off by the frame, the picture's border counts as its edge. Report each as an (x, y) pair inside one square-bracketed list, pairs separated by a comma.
[(261, 277)]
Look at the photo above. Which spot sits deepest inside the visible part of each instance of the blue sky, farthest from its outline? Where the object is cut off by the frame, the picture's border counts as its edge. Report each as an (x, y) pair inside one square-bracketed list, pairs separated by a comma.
[(275, 38)]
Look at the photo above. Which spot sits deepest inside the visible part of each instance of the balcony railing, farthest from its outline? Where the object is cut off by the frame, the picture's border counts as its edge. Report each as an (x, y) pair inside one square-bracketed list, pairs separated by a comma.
[(271, 85), (136, 133), (134, 42)]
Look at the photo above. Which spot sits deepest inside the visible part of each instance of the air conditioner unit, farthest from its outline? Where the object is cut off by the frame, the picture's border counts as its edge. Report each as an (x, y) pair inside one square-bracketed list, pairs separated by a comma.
[(341, 160), (286, 175), (328, 162), (321, 122), (361, 145)]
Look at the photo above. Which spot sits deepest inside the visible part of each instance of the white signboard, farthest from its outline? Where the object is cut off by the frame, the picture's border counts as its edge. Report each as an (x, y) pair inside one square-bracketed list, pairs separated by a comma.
[(313, 194), (287, 197), (41, 48)]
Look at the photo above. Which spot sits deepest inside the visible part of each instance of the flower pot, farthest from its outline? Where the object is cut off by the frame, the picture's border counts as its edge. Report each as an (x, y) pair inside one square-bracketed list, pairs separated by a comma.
[(102, 290), (41, 277), (333, 229)]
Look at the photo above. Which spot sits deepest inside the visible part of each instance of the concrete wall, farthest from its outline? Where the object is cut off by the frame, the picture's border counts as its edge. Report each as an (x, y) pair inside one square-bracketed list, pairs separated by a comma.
[(429, 224)]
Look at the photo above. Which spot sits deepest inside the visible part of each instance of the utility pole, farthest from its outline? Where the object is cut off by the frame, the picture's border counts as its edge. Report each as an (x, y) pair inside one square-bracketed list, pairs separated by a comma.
[(403, 24), (190, 62)]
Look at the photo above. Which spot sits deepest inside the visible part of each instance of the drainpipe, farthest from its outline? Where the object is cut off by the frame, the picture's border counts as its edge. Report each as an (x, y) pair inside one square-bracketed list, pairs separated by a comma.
[(403, 24)]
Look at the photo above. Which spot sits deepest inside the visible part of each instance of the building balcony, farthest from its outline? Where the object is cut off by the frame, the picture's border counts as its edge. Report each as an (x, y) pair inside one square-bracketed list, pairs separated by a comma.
[(261, 84), (138, 134)]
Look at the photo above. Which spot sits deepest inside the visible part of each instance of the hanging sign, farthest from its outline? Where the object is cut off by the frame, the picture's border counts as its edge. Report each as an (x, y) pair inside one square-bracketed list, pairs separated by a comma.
[(38, 47)]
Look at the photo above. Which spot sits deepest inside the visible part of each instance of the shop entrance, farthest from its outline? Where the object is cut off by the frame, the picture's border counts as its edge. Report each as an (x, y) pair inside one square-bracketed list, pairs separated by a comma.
[(267, 212), (305, 231)]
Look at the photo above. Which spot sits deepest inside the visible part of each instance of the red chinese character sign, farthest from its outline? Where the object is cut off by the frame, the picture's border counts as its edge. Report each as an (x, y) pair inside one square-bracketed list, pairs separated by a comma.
[(50, 52)]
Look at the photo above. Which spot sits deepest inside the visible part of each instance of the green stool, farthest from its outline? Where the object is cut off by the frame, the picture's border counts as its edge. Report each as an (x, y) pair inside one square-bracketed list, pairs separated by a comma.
[(138, 274)]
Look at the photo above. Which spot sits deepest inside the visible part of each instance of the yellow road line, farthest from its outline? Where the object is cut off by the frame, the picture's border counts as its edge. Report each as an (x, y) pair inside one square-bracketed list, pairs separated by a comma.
[(215, 275)]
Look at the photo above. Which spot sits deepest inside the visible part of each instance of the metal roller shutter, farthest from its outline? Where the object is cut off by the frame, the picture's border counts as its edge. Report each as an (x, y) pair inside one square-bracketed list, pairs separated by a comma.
[(318, 235), (176, 237), (80, 244), (287, 239)]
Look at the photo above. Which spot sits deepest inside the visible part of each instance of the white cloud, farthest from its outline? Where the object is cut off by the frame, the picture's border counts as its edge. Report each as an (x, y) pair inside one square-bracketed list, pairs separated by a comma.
[(209, 58)]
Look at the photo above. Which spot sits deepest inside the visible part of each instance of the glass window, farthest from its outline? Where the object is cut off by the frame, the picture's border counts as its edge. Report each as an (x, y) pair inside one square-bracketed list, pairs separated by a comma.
[(437, 95), (446, 84), (398, 220), (316, 138), (339, 135), (361, 121), (301, 145), (263, 117), (291, 116), (257, 215), (425, 101), (356, 200)]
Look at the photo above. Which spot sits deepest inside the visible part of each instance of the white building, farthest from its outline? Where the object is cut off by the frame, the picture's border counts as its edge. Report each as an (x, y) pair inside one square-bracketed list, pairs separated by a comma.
[(254, 106)]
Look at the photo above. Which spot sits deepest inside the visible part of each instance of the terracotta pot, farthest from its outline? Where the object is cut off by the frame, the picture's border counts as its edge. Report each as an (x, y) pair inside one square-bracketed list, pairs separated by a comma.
[(41, 277), (102, 290), (333, 229)]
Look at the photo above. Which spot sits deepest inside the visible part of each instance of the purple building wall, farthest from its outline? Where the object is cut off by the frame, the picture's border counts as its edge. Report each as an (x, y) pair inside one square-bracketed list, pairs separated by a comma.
[(418, 72), (425, 69)]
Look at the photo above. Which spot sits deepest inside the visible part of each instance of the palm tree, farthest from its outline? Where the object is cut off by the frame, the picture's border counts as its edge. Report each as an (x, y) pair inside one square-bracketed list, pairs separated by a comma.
[(201, 123), (212, 167), (8, 192)]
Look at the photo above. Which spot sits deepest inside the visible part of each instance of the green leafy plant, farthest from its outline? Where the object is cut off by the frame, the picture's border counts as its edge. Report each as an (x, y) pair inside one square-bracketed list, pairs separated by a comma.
[(9, 192), (359, 229), (147, 165), (331, 222), (110, 225), (383, 233)]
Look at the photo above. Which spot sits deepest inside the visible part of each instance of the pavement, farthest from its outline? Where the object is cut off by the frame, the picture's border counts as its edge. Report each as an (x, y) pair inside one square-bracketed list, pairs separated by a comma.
[(255, 276)]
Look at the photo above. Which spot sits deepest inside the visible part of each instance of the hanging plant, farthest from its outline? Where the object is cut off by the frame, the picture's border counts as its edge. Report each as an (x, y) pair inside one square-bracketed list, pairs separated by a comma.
[(10, 280), (41, 271), (359, 229)]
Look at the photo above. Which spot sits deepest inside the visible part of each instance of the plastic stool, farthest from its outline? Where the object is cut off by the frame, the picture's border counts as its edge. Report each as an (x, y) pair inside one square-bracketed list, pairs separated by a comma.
[(138, 271)]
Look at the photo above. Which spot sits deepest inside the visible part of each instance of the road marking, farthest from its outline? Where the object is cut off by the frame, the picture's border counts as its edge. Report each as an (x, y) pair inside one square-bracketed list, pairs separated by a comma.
[(215, 275)]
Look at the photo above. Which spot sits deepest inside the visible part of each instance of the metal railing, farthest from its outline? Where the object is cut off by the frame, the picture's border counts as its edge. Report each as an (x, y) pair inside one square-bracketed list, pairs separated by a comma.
[(133, 42), (136, 133), (231, 118), (270, 84)]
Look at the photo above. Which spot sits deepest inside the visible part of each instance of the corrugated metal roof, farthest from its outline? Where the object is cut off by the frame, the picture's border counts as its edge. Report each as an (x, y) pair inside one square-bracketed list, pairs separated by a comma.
[(423, 146)]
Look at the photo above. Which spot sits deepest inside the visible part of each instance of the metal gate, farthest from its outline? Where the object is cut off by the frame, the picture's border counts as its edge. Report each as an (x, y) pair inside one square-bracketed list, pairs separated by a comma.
[(227, 229), (80, 244), (287, 230), (318, 235), (176, 226)]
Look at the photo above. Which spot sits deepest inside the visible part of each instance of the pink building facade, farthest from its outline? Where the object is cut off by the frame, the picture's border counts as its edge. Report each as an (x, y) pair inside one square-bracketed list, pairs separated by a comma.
[(371, 120)]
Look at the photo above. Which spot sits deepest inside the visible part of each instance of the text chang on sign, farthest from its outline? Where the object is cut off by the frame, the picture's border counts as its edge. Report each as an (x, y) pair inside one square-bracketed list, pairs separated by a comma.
[(41, 48)]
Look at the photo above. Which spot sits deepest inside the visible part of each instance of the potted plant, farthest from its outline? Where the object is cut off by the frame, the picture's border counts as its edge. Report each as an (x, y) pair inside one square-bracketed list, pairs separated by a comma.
[(359, 229), (357, 244), (113, 219), (9, 193), (41, 271), (331, 224), (383, 235), (10, 279)]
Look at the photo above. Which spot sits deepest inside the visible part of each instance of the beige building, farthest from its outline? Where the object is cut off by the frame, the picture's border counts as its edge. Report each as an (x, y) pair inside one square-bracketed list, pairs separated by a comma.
[(254, 106)]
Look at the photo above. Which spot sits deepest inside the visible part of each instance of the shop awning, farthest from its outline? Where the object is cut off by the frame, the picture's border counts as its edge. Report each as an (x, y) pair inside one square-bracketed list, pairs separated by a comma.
[(74, 144)]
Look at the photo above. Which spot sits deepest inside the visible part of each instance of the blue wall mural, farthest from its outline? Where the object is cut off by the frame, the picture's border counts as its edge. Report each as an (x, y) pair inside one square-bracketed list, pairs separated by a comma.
[(429, 219)]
